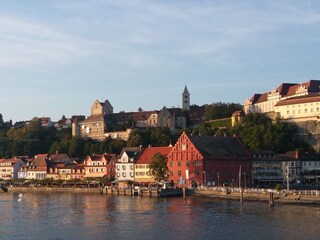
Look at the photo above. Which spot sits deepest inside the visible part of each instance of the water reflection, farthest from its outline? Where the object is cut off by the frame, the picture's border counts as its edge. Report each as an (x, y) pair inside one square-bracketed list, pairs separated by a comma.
[(93, 216)]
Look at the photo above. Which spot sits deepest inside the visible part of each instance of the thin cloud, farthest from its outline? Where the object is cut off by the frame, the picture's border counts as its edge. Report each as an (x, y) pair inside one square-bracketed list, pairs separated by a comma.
[(26, 44)]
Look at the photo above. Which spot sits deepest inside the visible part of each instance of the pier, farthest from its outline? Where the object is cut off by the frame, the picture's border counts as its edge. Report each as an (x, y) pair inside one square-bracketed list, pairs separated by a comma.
[(256, 194)]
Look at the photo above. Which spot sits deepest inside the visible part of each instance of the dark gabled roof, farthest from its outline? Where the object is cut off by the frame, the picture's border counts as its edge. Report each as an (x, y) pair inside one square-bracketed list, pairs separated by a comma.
[(132, 152), (219, 147), (59, 158), (284, 88), (141, 116), (261, 97)]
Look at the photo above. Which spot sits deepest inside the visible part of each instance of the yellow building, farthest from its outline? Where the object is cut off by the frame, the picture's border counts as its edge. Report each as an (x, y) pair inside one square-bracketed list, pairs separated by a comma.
[(142, 174)]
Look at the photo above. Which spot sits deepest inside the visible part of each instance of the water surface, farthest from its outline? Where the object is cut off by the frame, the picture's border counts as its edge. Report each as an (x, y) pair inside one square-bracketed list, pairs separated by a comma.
[(58, 216)]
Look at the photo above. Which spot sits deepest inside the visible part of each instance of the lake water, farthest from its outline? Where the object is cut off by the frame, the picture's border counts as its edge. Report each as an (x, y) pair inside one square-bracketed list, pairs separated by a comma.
[(60, 216)]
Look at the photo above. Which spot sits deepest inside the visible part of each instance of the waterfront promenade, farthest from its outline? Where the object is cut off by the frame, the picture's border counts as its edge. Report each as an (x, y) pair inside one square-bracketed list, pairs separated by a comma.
[(256, 194), (302, 197)]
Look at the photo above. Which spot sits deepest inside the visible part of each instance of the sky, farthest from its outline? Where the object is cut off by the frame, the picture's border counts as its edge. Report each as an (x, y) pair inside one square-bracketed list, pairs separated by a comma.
[(58, 57)]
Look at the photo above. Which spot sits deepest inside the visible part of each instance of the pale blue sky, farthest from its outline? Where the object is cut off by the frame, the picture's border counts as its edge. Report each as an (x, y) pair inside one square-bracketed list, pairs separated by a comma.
[(57, 57)]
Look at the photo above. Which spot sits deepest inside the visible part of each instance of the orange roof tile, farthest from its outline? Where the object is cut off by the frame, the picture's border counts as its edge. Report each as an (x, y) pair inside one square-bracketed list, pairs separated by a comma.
[(147, 154)]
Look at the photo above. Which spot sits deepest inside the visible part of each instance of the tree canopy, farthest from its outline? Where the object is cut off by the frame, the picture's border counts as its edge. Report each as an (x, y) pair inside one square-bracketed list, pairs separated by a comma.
[(220, 110), (158, 167), (259, 132)]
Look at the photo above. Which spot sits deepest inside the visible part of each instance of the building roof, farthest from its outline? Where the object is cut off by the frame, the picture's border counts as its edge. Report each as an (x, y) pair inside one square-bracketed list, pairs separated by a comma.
[(132, 152), (288, 90), (12, 160), (176, 111), (147, 154), (61, 157), (40, 161), (299, 100), (93, 118), (212, 147)]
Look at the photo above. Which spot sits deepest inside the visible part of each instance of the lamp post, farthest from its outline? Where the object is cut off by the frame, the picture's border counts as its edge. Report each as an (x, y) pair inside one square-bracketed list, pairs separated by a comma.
[(204, 177), (218, 179)]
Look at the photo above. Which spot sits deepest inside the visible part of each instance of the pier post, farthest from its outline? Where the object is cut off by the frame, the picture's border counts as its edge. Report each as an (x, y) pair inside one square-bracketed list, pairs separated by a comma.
[(271, 200), (241, 195), (184, 192)]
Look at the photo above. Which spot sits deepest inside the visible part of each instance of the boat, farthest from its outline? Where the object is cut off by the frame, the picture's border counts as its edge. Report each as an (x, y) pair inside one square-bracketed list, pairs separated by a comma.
[(166, 189), (4, 189)]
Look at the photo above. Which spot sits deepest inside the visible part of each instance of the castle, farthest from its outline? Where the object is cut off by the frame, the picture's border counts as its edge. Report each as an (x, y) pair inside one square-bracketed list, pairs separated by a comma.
[(290, 101), (103, 122)]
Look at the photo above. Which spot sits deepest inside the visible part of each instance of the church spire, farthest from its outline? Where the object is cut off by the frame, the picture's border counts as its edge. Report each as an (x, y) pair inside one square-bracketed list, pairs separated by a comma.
[(185, 99)]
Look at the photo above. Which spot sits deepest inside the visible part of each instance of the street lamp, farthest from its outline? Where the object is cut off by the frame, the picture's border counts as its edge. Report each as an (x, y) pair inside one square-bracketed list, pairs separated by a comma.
[(218, 179), (204, 177)]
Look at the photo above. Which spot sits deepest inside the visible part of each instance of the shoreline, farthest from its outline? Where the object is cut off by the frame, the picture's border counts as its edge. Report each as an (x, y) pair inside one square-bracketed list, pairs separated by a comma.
[(299, 200), (278, 198), (54, 189)]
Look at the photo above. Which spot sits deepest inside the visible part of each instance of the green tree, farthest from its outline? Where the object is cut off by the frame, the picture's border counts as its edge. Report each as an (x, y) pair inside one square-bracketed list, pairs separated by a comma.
[(158, 167), (76, 147), (1, 121), (259, 132), (220, 110)]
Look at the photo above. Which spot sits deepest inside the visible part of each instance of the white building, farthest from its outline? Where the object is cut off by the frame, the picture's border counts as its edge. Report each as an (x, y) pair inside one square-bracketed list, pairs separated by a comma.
[(125, 164), (290, 101), (299, 109), (9, 168)]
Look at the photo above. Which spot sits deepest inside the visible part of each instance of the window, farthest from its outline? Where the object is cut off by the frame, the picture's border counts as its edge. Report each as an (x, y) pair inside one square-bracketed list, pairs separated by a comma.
[(179, 163), (171, 163), (171, 173), (179, 173)]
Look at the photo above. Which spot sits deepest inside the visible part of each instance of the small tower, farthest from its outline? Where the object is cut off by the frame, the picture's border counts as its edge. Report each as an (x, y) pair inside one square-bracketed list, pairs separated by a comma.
[(185, 99), (107, 107)]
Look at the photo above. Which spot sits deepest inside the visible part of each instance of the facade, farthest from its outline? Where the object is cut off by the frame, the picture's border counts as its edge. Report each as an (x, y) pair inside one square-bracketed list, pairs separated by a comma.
[(305, 108), (9, 168), (142, 163), (303, 168), (38, 168), (289, 101), (96, 166), (173, 118), (93, 127), (310, 168), (46, 122), (121, 135), (267, 169), (125, 170), (209, 160), (237, 118)]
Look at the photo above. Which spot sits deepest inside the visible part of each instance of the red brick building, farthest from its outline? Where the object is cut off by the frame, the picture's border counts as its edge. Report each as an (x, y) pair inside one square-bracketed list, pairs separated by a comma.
[(209, 160)]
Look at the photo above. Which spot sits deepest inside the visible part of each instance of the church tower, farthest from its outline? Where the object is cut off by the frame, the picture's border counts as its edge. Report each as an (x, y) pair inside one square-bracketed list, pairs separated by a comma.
[(185, 99)]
